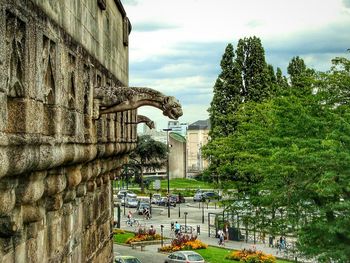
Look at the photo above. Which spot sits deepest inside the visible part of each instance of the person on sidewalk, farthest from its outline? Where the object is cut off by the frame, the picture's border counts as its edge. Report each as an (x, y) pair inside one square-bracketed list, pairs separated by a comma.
[(177, 228), (221, 238), (226, 235)]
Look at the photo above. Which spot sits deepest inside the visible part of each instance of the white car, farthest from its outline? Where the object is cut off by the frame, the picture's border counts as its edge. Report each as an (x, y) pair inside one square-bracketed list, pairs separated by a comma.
[(155, 198), (185, 257), (129, 193), (131, 202), (198, 197)]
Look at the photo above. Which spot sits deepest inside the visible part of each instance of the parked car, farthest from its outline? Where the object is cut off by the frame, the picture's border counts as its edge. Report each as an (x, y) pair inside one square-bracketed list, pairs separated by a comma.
[(126, 259), (210, 196), (164, 201), (198, 197), (179, 198), (131, 202), (184, 256), (141, 206), (155, 198), (128, 194)]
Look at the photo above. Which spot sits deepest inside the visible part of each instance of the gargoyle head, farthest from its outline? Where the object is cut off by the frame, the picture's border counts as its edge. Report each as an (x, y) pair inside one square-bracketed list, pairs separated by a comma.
[(172, 107), (150, 124)]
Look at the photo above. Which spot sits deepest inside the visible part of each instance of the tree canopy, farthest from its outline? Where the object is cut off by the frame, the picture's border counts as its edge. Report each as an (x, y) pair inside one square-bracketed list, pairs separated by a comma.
[(149, 155), (289, 151)]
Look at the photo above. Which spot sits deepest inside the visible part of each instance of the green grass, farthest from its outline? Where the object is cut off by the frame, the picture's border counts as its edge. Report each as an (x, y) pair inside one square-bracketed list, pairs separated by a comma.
[(186, 184), (121, 238), (217, 255)]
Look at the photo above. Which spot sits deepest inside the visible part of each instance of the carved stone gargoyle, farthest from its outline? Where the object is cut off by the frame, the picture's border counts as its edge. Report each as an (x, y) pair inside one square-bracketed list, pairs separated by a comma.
[(117, 99), (146, 120)]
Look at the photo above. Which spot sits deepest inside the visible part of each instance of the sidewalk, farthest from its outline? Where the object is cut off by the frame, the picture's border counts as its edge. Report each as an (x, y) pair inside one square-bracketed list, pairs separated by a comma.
[(195, 221)]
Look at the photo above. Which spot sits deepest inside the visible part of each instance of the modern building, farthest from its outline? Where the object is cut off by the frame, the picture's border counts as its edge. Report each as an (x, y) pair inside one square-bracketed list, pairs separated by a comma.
[(197, 137)]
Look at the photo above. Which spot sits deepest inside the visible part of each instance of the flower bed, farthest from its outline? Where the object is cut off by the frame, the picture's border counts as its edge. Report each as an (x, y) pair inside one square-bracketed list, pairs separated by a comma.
[(185, 242), (251, 256), (144, 235)]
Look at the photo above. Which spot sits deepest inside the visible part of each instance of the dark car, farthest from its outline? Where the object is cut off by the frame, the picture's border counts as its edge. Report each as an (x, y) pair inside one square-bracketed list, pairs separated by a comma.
[(209, 196), (179, 198), (164, 201), (141, 207)]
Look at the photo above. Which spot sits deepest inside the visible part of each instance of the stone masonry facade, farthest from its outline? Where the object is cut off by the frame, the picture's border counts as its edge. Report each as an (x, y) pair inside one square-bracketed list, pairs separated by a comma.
[(58, 157)]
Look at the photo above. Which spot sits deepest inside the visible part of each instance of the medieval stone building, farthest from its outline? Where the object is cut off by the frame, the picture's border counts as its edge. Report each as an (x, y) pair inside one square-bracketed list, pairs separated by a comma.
[(67, 123)]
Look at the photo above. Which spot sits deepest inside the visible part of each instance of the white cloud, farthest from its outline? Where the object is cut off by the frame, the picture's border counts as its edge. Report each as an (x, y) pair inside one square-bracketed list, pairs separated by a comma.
[(176, 46)]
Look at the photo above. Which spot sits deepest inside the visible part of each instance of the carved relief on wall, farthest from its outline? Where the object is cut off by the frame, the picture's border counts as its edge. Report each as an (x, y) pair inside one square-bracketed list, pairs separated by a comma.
[(87, 89), (15, 50), (49, 70), (48, 64), (71, 82), (69, 114)]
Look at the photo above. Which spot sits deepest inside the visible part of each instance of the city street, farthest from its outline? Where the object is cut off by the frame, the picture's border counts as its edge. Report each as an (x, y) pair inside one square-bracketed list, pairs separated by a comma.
[(160, 217)]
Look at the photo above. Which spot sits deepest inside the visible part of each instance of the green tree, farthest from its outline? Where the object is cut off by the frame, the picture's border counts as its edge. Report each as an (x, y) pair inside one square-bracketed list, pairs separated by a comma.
[(292, 154), (253, 71), (226, 97), (281, 80), (149, 155), (301, 77)]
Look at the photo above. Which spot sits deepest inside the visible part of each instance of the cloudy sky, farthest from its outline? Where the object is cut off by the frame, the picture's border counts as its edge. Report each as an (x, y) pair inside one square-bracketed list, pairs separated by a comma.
[(176, 45)]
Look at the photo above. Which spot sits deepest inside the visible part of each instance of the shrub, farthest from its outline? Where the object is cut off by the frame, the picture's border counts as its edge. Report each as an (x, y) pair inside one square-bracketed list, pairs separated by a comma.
[(251, 256), (184, 242)]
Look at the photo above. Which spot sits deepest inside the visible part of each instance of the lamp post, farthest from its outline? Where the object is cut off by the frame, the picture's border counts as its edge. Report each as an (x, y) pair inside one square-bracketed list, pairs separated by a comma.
[(124, 201), (185, 222), (202, 211), (167, 166), (179, 210), (161, 235)]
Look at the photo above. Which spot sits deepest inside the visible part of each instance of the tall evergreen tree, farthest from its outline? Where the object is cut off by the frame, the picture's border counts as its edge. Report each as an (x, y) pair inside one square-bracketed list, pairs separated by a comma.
[(250, 62), (301, 76), (226, 97), (280, 79)]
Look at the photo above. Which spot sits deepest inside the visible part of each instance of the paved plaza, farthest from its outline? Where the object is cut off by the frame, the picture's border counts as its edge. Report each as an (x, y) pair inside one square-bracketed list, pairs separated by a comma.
[(194, 219)]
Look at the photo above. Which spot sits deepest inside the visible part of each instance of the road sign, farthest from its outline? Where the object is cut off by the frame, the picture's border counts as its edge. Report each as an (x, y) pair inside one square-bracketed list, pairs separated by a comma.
[(156, 184)]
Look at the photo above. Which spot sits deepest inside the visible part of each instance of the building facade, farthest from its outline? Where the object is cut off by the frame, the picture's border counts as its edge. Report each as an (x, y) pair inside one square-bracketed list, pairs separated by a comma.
[(197, 137)]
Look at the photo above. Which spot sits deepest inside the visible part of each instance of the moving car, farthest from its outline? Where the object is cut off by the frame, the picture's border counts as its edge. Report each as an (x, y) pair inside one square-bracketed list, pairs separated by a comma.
[(141, 206), (185, 256), (131, 202), (126, 259), (197, 197), (128, 194), (155, 198), (179, 198), (210, 196), (164, 201)]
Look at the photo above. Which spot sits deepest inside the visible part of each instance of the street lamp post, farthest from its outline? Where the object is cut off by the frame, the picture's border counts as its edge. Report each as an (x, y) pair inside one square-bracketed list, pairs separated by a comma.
[(202, 211), (179, 210), (167, 166), (124, 201), (185, 222), (161, 235)]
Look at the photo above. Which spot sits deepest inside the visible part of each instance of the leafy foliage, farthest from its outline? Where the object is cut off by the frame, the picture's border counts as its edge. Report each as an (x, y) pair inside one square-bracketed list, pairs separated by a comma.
[(149, 155), (291, 155)]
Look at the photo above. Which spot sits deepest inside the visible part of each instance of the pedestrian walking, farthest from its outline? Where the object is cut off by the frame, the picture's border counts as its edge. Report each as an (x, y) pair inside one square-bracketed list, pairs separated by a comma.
[(221, 237)]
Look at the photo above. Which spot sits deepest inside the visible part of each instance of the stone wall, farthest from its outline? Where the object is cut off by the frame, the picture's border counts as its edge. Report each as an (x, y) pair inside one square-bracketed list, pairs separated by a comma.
[(57, 159)]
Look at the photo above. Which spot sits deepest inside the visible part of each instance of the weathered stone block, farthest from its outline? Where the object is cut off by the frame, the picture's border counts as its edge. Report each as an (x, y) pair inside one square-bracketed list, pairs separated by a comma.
[(16, 121), (3, 111)]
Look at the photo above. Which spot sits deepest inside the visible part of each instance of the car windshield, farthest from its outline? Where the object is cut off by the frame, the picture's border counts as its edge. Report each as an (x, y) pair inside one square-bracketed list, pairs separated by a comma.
[(194, 257)]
